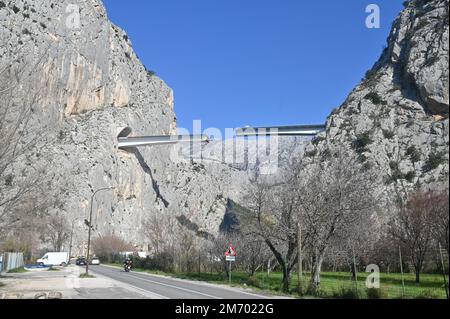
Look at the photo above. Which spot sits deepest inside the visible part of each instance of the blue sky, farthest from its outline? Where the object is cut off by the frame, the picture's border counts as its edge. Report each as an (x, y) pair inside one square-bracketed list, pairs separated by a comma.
[(233, 63)]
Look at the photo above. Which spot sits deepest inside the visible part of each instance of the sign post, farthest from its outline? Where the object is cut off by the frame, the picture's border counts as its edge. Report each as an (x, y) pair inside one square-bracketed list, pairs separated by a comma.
[(230, 256)]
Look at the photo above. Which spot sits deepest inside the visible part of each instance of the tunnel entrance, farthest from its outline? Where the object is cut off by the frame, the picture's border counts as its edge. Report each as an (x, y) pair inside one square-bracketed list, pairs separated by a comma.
[(125, 132)]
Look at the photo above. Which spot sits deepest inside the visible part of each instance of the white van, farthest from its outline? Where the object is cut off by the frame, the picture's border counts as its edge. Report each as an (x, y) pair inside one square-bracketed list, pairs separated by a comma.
[(54, 259)]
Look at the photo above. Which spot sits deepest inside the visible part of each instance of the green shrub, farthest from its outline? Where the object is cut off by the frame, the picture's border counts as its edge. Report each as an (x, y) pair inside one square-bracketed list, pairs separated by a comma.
[(410, 176), (159, 262), (388, 134), (370, 73), (362, 158), (375, 98), (253, 281), (345, 293), (367, 166), (373, 293), (433, 162), (311, 153), (326, 155), (9, 180), (17, 271), (422, 23), (361, 142), (413, 153), (317, 140), (393, 165), (427, 294)]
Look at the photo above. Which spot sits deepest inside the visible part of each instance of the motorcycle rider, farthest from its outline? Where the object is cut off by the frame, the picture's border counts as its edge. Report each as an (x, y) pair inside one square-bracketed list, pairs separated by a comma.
[(128, 263)]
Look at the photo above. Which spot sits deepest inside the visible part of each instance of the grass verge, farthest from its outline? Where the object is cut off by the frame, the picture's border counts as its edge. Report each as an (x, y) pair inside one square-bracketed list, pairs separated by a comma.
[(84, 276), (336, 285), (17, 271)]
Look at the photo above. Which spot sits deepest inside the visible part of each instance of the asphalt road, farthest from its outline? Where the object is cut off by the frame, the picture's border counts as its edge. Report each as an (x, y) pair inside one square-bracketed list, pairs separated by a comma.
[(168, 288)]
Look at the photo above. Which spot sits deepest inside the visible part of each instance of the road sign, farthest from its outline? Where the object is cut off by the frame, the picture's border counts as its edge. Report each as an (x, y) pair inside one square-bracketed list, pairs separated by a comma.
[(231, 258), (231, 251)]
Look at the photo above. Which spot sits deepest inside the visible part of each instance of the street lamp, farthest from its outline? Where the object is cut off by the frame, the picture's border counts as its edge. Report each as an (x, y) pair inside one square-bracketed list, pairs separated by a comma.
[(89, 224), (71, 238)]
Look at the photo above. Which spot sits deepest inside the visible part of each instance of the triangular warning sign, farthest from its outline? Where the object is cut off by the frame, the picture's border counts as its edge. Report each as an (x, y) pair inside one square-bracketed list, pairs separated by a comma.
[(230, 251)]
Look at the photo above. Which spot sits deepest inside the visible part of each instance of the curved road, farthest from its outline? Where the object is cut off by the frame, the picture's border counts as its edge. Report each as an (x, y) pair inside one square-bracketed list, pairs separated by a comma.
[(170, 288)]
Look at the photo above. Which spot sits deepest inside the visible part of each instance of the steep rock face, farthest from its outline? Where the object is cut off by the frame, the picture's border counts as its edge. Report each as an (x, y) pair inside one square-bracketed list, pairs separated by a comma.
[(91, 86), (396, 119)]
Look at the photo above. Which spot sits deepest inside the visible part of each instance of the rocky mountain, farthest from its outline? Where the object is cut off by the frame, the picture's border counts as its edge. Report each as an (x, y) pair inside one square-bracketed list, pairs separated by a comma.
[(396, 120), (89, 86), (86, 85)]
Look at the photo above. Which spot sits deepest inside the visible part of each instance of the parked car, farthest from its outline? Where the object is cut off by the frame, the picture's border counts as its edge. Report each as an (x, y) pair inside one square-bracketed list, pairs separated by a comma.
[(54, 259), (95, 261), (81, 261)]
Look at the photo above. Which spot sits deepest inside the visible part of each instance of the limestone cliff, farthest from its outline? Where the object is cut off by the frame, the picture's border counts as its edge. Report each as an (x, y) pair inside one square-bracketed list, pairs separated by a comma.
[(90, 86), (396, 120)]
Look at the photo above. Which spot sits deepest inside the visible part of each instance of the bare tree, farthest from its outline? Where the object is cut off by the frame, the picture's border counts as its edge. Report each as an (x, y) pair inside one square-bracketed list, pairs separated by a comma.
[(385, 253), (333, 196), (440, 218), (254, 254), (272, 217), (56, 231), (412, 228), (216, 251), (22, 176), (154, 229), (109, 246), (353, 245)]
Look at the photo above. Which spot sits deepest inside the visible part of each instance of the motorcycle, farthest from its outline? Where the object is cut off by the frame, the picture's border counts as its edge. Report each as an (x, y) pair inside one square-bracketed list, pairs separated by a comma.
[(127, 267)]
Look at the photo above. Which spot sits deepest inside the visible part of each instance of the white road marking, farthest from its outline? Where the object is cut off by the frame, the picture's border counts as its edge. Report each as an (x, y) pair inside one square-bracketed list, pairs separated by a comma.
[(199, 283), (146, 293), (179, 288)]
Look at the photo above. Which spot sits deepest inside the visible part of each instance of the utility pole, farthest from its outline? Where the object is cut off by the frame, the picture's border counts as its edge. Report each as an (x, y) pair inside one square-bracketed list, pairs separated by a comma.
[(89, 224), (71, 240), (300, 258), (443, 270), (401, 269), (229, 273), (355, 270)]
